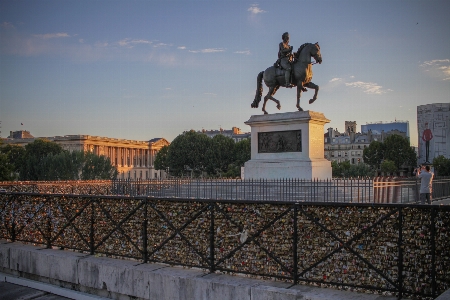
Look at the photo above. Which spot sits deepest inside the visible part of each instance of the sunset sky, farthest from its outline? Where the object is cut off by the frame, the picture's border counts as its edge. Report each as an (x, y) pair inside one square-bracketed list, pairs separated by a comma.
[(145, 69)]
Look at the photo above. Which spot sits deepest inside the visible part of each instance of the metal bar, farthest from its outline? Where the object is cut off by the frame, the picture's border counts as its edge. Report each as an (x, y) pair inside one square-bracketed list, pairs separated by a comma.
[(400, 253), (294, 246), (433, 252), (144, 233), (91, 231), (211, 238)]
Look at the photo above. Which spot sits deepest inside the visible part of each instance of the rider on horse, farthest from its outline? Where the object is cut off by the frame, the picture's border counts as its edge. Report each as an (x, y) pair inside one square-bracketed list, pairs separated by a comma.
[(285, 58)]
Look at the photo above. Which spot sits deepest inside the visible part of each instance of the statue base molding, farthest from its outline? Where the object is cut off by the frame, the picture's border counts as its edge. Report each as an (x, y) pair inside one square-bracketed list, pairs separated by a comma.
[(287, 145)]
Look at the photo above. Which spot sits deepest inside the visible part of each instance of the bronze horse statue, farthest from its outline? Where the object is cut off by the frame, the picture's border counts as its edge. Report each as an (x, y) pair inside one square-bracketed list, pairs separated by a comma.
[(301, 77)]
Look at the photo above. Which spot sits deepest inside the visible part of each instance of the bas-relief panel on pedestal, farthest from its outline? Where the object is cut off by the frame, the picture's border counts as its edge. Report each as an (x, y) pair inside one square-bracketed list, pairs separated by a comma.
[(280, 141)]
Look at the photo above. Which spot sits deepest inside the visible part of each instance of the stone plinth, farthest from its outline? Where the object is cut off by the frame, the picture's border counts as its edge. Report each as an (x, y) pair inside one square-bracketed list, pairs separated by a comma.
[(288, 145)]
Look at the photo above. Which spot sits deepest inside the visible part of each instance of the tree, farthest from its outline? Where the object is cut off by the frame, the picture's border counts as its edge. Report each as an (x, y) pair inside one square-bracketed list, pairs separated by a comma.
[(373, 155), (14, 155), (220, 154), (359, 170), (242, 152), (97, 167), (187, 152), (388, 166), (441, 165), (33, 166), (161, 158), (6, 168), (340, 169), (398, 150)]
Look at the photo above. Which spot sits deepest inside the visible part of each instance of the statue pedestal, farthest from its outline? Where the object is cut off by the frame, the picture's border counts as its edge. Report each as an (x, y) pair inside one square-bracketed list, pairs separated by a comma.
[(287, 145)]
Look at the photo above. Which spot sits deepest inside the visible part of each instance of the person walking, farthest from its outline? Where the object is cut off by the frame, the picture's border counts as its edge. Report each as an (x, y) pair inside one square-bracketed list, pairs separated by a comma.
[(426, 179)]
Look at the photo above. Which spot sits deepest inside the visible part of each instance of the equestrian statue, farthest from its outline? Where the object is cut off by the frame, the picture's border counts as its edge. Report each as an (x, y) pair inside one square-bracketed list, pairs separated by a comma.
[(290, 70)]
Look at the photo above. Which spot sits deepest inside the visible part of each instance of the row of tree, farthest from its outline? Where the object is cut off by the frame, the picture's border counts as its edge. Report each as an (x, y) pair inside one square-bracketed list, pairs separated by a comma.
[(193, 153), (46, 160), (390, 156)]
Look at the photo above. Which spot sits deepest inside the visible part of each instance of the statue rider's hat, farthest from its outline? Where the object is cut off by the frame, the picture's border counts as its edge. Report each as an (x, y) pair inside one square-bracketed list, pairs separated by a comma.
[(286, 34)]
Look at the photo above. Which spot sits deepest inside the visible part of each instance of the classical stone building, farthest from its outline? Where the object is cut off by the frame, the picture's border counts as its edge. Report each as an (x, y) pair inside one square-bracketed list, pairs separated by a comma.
[(350, 145), (235, 133), (133, 159)]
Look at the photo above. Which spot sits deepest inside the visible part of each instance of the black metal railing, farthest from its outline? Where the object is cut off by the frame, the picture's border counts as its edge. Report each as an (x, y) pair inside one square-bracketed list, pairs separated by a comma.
[(374, 190), (377, 190), (395, 249)]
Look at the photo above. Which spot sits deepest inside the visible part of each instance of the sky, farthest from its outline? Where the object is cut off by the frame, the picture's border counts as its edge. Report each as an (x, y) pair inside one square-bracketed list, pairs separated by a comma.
[(145, 69)]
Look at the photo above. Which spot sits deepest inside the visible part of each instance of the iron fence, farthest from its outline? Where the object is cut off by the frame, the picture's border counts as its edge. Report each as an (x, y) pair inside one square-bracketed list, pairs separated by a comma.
[(376, 190), (396, 249)]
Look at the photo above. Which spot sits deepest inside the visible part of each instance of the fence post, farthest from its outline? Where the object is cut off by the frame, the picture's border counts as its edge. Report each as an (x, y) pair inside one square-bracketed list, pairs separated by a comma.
[(400, 253), (294, 247), (91, 232), (212, 269), (433, 252), (49, 228), (144, 233)]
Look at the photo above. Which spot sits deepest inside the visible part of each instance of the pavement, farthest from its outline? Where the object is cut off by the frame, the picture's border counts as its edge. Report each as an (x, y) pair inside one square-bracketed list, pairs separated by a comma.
[(10, 291)]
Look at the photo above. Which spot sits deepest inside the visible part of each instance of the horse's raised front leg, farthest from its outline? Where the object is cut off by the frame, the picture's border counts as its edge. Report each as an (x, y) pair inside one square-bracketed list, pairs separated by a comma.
[(272, 91), (299, 94), (311, 85)]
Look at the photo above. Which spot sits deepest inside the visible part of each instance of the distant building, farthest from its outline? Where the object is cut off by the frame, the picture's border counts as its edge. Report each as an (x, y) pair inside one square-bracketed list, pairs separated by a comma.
[(21, 134), (350, 145), (378, 127), (433, 128), (133, 159), (235, 133)]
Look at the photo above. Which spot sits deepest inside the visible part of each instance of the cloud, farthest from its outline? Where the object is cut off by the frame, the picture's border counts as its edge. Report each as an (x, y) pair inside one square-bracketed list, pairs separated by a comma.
[(439, 68), (181, 47), (52, 35), (161, 45), (130, 43), (254, 9), (210, 94), (208, 50), (370, 88), (7, 25), (246, 52), (335, 79)]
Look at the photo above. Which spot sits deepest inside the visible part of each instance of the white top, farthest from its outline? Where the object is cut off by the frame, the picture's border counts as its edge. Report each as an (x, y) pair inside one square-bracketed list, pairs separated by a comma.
[(425, 182)]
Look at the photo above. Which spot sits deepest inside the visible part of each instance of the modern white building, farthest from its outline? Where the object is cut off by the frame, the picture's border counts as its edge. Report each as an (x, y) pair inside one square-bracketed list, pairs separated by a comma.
[(433, 127)]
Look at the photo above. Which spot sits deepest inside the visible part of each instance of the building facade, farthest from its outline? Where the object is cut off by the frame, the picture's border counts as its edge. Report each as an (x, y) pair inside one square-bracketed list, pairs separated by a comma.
[(433, 126), (379, 127), (133, 159), (350, 145), (235, 133)]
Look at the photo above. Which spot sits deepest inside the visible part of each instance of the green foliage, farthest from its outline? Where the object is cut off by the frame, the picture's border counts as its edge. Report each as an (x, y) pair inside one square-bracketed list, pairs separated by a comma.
[(220, 155), (6, 168), (398, 150), (347, 170), (373, 155), (242, 152), (34, 165), (97, 167), (161, 158), (441, 165), (188, 152), (388, 166)]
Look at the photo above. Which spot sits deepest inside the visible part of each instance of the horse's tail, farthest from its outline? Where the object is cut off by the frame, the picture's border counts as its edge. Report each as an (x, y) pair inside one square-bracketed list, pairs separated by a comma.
[(259, 90)]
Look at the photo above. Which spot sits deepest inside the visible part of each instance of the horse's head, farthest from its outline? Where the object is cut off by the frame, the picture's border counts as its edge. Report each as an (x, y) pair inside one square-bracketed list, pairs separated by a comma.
[(316, 53), (308, 50)]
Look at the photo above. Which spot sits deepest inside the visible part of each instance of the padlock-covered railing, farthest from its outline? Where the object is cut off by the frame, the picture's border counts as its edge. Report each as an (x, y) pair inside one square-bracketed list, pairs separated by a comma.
[(394, 249), (369, 190)]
